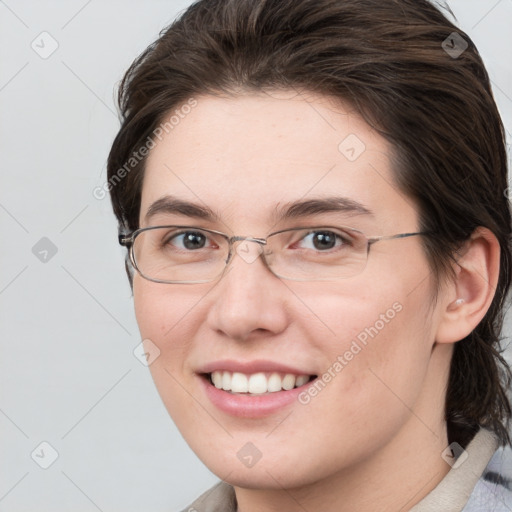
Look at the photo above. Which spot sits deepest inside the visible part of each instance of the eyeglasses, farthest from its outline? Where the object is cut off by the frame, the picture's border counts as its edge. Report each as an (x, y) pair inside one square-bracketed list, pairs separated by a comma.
[(186, 254)]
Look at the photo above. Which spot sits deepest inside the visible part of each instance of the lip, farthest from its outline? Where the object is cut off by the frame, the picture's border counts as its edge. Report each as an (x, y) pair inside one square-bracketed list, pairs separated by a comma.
[(246, 406), (250, 367)]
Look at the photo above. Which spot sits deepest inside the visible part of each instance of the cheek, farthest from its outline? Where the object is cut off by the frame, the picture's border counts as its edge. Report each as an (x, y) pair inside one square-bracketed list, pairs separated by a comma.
[(162, 317), (378, 347), (160, 309)]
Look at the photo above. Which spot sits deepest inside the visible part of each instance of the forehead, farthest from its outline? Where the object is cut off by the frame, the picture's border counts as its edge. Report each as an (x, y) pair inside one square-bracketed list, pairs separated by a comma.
[(247, 155)]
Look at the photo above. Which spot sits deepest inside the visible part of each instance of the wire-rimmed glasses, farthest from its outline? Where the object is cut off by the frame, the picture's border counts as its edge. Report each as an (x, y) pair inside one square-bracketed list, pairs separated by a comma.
[(188, 254)]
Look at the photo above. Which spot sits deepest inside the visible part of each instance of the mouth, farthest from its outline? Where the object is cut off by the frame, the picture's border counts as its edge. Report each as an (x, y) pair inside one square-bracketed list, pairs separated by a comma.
[(256, 384), (253, 389)]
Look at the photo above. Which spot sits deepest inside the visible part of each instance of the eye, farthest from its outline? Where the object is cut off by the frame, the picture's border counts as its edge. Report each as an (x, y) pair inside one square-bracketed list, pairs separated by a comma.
[(323, 240), (187, 240)]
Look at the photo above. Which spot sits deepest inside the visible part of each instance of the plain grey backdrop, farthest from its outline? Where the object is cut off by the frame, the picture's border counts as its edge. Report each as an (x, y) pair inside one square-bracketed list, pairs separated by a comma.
[(82, 426)]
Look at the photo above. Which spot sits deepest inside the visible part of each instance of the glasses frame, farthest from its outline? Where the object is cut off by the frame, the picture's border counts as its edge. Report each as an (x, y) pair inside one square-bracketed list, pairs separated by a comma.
[(128, 241)]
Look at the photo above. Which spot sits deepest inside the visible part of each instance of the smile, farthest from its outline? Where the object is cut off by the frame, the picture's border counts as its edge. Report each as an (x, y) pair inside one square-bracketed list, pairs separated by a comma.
[(253, 389), (260, 383)]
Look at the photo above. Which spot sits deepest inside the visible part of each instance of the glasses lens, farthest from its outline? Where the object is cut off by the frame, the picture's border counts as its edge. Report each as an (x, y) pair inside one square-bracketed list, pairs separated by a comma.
[(179, 254), (317, 254)]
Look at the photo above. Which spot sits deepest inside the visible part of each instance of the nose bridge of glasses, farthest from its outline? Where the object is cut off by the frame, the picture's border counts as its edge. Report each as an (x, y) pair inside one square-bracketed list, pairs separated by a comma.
[(234, 239), (247, 252)]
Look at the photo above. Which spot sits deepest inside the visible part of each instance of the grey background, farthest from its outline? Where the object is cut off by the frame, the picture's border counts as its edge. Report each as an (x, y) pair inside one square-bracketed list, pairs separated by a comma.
[(68, 374)]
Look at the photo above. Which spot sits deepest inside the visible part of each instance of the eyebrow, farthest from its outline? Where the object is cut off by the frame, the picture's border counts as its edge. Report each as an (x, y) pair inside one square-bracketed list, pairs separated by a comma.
[(294, 210), (173, 205), (299, 209)]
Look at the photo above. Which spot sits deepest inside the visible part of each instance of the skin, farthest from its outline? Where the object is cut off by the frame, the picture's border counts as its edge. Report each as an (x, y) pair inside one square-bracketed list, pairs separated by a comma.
[(376, 432)]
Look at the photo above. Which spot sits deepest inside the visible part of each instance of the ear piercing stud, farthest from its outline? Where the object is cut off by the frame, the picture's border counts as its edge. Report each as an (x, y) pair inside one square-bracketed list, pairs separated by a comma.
[(458, 302)]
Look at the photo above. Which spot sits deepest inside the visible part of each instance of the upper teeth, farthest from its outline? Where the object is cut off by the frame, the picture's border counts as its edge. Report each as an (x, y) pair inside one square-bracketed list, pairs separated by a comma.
[(256, 383)]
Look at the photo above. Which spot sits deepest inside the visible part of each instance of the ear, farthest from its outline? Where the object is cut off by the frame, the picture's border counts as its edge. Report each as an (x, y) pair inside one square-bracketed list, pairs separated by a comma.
[(468, 296)]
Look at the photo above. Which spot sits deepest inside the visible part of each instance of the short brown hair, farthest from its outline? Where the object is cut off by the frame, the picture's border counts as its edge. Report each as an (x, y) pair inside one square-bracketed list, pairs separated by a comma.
[(391, 61)]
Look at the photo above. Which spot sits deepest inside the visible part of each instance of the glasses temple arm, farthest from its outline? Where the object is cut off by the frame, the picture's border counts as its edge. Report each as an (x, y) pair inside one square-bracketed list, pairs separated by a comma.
[(373, 239)]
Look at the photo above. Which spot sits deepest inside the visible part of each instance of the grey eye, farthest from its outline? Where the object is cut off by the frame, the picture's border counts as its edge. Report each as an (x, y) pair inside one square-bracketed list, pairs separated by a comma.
[(321, 240), (190, 240)]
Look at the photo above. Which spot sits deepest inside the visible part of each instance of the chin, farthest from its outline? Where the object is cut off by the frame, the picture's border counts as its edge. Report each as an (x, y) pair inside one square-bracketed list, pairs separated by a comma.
[(278, 471)]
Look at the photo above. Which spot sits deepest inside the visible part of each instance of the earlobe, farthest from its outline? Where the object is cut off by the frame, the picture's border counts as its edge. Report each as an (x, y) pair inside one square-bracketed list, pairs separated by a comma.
[(468, 297)]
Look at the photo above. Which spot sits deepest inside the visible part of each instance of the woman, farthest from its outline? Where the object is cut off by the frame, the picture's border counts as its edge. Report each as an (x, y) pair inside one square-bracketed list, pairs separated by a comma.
[(313, 198)]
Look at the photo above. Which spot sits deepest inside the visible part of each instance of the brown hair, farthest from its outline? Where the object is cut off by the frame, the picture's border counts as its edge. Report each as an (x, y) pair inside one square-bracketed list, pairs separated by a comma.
[(400, 65)]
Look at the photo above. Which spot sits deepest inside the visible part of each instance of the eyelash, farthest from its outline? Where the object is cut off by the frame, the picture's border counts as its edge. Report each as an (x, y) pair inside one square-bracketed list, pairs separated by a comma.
[(337, 236), (181, 233)]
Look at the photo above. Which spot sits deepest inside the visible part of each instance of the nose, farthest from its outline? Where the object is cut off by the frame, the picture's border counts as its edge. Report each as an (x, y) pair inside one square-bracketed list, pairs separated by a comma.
[(248, 298)]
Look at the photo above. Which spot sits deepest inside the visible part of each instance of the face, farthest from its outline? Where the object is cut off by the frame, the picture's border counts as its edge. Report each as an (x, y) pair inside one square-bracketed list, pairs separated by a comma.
[(363, 343)]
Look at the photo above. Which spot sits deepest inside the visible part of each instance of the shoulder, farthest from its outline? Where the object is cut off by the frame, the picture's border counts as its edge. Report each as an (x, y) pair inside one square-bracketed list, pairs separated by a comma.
[(493, 491)]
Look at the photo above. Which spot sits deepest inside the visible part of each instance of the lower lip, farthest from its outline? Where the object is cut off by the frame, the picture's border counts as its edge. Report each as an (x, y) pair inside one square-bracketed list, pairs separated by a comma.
[(250, 406)]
